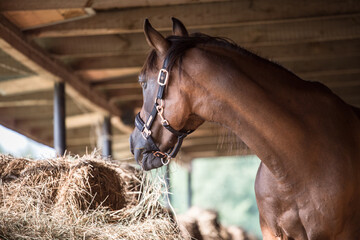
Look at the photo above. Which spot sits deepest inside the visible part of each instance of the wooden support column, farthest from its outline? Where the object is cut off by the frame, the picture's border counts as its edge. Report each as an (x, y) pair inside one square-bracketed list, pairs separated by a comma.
[(168, 182), (59, 118), (106, 137), (189, 185)]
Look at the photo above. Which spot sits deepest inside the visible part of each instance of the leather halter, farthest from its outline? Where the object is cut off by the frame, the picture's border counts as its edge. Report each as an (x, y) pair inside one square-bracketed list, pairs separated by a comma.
[(145, 128)]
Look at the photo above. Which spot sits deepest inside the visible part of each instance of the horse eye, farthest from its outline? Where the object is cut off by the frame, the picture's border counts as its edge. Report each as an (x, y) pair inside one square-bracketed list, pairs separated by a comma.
[(143, 84)]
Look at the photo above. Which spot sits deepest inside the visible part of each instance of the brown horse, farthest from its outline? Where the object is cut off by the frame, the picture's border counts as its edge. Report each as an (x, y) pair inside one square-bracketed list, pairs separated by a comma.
[(308, 139)]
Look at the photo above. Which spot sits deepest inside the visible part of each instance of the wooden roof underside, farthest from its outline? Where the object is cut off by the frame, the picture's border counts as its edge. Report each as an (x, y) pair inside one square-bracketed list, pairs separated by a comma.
[(97, 48)]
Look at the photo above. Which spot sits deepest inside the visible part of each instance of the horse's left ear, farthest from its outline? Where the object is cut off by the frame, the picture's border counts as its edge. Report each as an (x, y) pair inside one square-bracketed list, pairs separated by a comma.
[(179, 28), (155, 39)]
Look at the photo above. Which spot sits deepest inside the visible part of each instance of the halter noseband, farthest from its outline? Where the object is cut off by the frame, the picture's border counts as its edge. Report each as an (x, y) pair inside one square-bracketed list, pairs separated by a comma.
[(145, 128)]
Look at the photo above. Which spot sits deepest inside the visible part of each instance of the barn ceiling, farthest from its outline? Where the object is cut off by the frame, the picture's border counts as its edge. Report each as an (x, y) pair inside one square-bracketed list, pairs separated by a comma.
[(97, 48)]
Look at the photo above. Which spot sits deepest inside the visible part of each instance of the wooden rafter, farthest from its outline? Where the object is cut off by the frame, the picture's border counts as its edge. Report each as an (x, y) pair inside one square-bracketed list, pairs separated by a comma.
[(25, 85), (278, 53), (19, 5), (15, 44), (294, 31), (209, 15)]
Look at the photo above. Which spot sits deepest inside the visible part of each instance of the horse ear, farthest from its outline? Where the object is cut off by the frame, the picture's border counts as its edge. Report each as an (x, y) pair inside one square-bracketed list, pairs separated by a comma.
[(179, 28), (155, 39)]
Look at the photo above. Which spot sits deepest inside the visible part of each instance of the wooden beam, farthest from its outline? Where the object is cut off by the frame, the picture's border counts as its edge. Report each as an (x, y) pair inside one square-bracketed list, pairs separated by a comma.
[(19, 5), (26, 20), (32, 112), (25, 103), (294, 31), (82, 120), (25, 85), (279, 53), (41, 95), (124, 61), (210, 15), (303, 67), (99, 74), (15, 44), (309, 50), (113, 81), (123, 92)]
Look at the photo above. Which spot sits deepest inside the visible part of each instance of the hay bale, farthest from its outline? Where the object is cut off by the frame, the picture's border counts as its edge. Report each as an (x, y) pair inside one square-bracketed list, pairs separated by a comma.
[(237, 233), (189, 227), (203, 224), (79, 198), (206, 222)]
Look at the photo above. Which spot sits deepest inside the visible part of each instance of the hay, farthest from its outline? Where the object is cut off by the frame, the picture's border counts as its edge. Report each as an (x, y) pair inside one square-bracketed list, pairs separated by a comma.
[(203, 224), (79, 198)]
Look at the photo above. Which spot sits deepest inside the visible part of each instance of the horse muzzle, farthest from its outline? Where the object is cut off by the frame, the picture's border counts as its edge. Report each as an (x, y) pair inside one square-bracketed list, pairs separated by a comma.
[(147, 158)]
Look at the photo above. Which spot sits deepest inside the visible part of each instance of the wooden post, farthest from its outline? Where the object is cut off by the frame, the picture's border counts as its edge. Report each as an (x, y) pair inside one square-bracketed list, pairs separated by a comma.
[(59, 118), (167, 179), (189, 185), (106, 137)]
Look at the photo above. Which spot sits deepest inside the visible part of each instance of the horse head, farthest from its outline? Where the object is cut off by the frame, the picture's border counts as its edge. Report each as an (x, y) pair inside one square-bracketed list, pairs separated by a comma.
[(166, 116)]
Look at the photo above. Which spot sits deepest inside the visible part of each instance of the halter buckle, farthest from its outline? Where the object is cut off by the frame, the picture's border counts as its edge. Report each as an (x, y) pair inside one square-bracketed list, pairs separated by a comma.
[(146, 133), (162, 80)]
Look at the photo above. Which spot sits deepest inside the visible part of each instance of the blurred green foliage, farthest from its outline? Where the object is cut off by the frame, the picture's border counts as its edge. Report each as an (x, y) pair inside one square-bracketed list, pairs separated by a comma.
[(225, 184)]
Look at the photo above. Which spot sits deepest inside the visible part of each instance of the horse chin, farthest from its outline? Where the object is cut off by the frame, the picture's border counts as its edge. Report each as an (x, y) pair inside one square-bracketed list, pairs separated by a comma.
[(150, 162)]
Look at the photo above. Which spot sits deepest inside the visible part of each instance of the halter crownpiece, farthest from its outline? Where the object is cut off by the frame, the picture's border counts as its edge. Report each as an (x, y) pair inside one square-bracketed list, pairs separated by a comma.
[(158, 109)]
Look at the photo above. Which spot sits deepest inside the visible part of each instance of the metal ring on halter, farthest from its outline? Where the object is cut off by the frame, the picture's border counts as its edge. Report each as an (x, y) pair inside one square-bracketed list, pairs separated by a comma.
[(168, 158)]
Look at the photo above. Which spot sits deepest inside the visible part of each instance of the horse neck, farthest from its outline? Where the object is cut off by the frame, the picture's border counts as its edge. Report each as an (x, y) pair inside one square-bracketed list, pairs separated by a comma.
[(249, 96)]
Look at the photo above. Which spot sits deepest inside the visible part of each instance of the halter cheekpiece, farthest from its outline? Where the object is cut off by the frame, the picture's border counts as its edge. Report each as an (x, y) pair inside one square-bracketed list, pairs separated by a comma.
[(158, 109)]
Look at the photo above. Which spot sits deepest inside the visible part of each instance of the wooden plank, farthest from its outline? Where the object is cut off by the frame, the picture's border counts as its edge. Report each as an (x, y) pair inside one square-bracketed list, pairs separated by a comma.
[(20, 5), (210, 15), (25, 85), (125, 61), (303, 67), (111, 93), (15, 44), (249, 36), (309, 50), (26, 20), (25, 103), (33, 112), (41, 122), (278, 53), (81, 120), (41, 95), (99, 74)]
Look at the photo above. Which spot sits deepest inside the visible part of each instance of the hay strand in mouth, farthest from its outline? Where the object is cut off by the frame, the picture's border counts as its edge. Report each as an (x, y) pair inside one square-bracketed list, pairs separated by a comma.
[(80, 198)]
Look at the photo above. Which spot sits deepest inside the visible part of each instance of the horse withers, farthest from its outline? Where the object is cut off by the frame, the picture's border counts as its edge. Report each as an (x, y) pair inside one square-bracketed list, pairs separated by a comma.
[(308, 139)]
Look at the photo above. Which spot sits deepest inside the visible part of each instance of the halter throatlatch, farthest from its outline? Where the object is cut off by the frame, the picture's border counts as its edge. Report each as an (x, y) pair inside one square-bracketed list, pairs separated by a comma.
[(158, 109)]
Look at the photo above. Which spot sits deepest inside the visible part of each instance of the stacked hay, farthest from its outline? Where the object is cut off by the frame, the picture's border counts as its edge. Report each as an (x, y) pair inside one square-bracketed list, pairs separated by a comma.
[(202, 224), (79, 198)]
